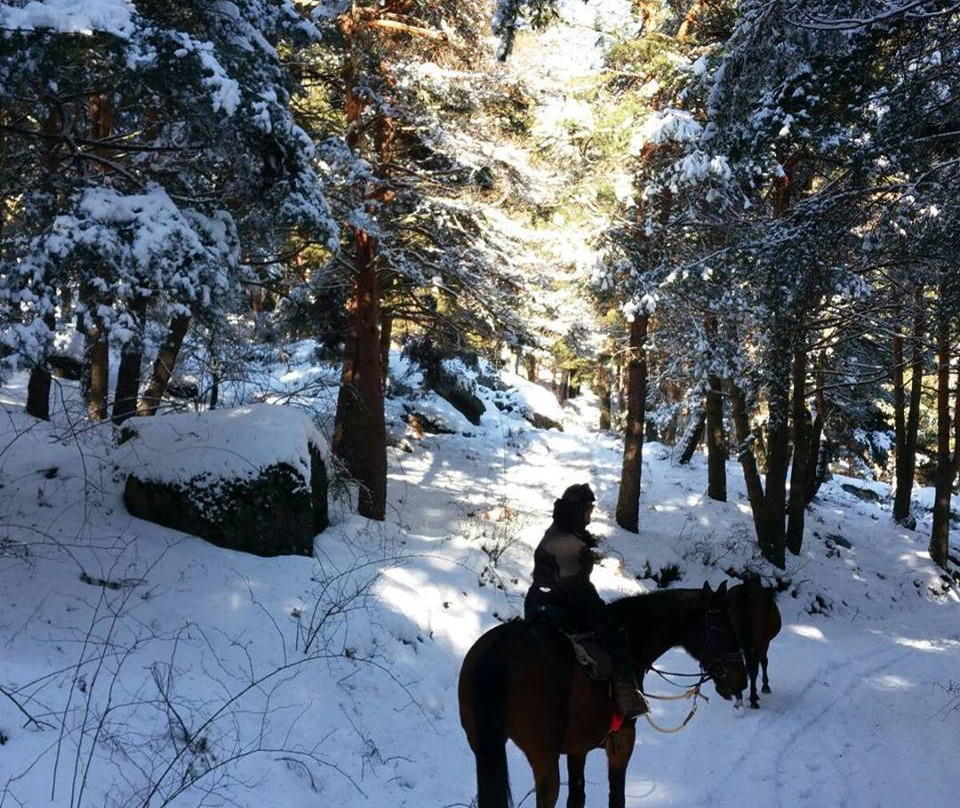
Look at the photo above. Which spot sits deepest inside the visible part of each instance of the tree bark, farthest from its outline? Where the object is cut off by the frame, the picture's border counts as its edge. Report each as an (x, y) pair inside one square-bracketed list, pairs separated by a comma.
[(359, 436), (214, 390), (530, 365), (748, 461), (907, 415), (128, 374), (802, 446), (604, 393), (628, 502), (817, 457), (772, 534), (164, 365), (692, 435), (716, 441), (95, 378), (95, 382), (563, 389), (38, 392), (38, 387), (943, 479), (386, 335)]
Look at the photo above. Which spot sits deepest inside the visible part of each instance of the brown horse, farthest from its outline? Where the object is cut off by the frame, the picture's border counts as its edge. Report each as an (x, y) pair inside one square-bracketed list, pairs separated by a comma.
[(756, 621), (523, 683)]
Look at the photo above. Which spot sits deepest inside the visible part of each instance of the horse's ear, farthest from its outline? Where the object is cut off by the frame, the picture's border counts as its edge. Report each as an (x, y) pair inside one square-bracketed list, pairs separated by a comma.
[(706, 588), (722, 589)]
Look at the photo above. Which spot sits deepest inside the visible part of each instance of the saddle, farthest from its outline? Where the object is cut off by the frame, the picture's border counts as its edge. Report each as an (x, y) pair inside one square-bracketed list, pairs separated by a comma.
[(592, 655)]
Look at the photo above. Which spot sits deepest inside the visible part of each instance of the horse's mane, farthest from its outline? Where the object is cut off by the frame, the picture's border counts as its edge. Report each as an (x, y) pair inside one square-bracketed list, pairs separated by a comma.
[(659, 604)]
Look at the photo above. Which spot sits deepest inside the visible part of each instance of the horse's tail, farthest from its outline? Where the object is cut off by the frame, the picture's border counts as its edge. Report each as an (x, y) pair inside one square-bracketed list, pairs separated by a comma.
[(489, 684)]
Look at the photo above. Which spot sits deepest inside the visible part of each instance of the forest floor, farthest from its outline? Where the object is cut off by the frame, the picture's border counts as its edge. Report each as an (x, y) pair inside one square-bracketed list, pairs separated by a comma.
[(140, 664)]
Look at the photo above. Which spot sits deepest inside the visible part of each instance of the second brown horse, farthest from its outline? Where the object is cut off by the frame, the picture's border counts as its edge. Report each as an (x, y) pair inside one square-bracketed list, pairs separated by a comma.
[(756, 621)]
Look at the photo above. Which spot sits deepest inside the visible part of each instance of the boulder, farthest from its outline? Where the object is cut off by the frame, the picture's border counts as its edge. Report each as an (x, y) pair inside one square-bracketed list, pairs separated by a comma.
[(185, 388), (447, 377), (456, 391), (252, 479), (535, 403), (866, 494)]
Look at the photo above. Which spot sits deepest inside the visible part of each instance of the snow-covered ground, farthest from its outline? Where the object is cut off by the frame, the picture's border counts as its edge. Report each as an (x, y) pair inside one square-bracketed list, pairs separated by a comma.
[(142, 666)]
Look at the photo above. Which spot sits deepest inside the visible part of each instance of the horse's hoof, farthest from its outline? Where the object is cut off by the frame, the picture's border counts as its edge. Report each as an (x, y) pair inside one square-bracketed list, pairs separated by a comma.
[(755, 705), (765, 689), (738, 707)]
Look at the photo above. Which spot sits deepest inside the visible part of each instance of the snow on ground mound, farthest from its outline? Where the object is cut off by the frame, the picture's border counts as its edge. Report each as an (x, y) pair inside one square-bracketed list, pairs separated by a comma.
[(531, 398), (71, 16), (225, 444), (332, 680)]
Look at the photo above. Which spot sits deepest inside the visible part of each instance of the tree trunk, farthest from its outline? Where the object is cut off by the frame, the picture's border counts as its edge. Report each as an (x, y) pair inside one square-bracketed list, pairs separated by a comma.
[(899, 428), (386, 335), (692, 435), (604, 393), (38, 392), (772, 527), (748, 461), (628, 502), (563, 389), (816, 457), (530, 365), (906, 446), (95, 382), (802, 429), (38, 388), (214, 390), (716, 441), (359, 435), (128, 374), (943, 479), (95, 377), (164, 365)]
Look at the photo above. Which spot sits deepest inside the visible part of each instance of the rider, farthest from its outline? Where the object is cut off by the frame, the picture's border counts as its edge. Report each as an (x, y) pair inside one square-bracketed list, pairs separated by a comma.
[(562, 594)]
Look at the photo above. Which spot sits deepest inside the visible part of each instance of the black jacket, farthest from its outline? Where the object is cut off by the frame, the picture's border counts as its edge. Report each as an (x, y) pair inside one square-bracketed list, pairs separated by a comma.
[(561, 590)]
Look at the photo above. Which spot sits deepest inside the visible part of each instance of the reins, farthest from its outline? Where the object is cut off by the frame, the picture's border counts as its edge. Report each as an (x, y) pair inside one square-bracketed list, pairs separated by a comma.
[(703, 677), (691, 693)]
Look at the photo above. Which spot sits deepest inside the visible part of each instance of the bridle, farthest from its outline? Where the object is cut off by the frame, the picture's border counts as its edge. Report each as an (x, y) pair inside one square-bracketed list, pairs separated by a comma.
[(714, 671), (719, 631)]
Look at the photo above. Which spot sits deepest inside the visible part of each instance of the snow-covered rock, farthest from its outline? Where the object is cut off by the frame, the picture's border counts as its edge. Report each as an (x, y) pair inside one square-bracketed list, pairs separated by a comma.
[(535, 403), (252, 479)]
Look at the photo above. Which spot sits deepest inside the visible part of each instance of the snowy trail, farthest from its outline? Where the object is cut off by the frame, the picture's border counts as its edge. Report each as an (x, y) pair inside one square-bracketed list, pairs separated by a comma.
[(856, 700), (865, 706)]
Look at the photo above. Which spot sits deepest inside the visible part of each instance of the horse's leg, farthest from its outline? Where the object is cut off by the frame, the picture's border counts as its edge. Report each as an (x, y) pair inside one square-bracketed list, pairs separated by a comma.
[(763, 662), (576, 784), (546, 778), (752, 670), (619, 747)]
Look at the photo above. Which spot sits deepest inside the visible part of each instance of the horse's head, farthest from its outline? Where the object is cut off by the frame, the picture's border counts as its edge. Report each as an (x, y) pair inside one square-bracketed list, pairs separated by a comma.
[(720, 655)]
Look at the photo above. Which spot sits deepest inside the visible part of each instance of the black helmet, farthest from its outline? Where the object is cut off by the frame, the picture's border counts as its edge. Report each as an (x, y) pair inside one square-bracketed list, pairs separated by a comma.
[(570, 511), (580, 494)]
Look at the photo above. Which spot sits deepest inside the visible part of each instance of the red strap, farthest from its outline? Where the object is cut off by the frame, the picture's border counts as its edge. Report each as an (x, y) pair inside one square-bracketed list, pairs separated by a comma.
[(616, 721)]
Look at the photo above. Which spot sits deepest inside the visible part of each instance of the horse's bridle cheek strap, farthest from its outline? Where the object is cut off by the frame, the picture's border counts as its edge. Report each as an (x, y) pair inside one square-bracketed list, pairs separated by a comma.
[(711, 629)]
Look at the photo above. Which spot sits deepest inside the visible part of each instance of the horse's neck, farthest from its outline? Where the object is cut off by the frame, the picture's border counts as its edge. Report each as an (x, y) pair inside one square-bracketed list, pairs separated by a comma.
[(657, 635)]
